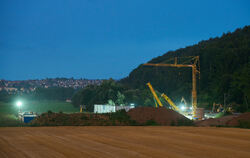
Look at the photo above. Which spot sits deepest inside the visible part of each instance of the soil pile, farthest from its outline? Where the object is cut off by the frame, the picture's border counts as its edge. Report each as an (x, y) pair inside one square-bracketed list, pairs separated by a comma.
[(76, 119), (215, 121), (242, 120), (161, 116), (137, 116)]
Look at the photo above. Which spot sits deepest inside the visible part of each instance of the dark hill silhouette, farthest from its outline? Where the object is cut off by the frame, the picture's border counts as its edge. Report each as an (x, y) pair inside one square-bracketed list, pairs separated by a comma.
[(224, 65)]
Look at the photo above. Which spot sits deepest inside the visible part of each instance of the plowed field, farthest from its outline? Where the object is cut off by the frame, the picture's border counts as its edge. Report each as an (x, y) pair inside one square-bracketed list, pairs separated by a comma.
[(123, 141)]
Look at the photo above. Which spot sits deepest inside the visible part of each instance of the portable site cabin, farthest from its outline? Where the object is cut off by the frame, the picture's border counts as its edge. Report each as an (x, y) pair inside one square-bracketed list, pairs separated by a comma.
[(104, 108), (126, 108), (26, 117), (110, 108)]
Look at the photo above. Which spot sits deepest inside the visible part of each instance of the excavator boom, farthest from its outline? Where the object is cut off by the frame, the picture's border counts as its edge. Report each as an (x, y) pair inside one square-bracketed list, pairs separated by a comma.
[(171, 103), (154, 94)]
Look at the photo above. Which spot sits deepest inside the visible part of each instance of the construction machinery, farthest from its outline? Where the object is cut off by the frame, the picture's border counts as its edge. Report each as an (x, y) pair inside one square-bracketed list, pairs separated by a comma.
[(183, 101), (81, 109), (155, 96), (184, 111), (170, 102), (217, 108), (195, 70)]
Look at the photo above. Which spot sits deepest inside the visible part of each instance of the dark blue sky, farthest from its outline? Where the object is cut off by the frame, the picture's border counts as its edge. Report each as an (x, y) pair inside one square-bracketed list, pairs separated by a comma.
[(104, 38)]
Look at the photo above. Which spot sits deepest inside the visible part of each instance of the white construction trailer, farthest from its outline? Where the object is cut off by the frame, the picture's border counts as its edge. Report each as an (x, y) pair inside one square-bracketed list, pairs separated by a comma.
[(110, 108)]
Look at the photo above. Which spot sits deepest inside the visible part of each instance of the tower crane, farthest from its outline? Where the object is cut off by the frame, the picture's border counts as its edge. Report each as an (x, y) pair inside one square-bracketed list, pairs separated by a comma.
[(195, 69)]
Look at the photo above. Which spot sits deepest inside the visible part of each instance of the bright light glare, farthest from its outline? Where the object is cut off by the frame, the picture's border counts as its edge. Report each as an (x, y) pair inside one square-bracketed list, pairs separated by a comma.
[(182, 107), (19, 103)]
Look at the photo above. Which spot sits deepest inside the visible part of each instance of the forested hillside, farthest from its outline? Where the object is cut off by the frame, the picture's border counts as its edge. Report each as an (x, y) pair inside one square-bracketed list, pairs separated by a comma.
[(224, 67), (224, 77)]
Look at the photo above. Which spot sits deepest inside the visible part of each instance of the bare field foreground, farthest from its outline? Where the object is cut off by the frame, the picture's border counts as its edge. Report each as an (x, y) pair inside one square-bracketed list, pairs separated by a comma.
[(124, 141)]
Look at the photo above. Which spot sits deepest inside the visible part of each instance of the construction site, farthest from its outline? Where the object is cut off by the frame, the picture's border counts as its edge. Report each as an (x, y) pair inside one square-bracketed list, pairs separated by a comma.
[(160, 130), (160, 113), (124, 79)]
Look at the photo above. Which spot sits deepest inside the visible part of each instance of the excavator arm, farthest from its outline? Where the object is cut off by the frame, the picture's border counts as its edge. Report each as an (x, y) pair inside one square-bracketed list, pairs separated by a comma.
[(171, 103), (154, 94)]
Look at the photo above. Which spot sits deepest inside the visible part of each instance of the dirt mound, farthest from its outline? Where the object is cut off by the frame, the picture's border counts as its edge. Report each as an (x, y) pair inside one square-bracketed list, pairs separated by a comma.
[(241, 120), (215, 121), (76, 119), (119, 118), (161, 116)]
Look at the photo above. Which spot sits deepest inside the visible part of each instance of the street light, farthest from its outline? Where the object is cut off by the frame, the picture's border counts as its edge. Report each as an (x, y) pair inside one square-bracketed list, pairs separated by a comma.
[(19, 104)]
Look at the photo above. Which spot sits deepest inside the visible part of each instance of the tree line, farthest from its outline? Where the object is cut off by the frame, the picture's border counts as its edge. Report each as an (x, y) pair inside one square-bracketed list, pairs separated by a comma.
[(111, 92)]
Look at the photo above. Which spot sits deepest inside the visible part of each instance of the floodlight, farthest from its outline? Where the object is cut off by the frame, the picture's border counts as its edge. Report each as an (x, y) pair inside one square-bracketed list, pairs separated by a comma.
[(19, 103), (182, 107)]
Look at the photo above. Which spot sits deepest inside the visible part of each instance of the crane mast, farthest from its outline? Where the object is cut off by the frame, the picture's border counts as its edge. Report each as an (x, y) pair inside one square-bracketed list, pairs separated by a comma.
[(194, 72)]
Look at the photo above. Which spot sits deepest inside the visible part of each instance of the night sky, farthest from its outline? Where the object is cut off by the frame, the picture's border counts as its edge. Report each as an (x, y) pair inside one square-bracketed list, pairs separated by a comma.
[(99, 39)]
